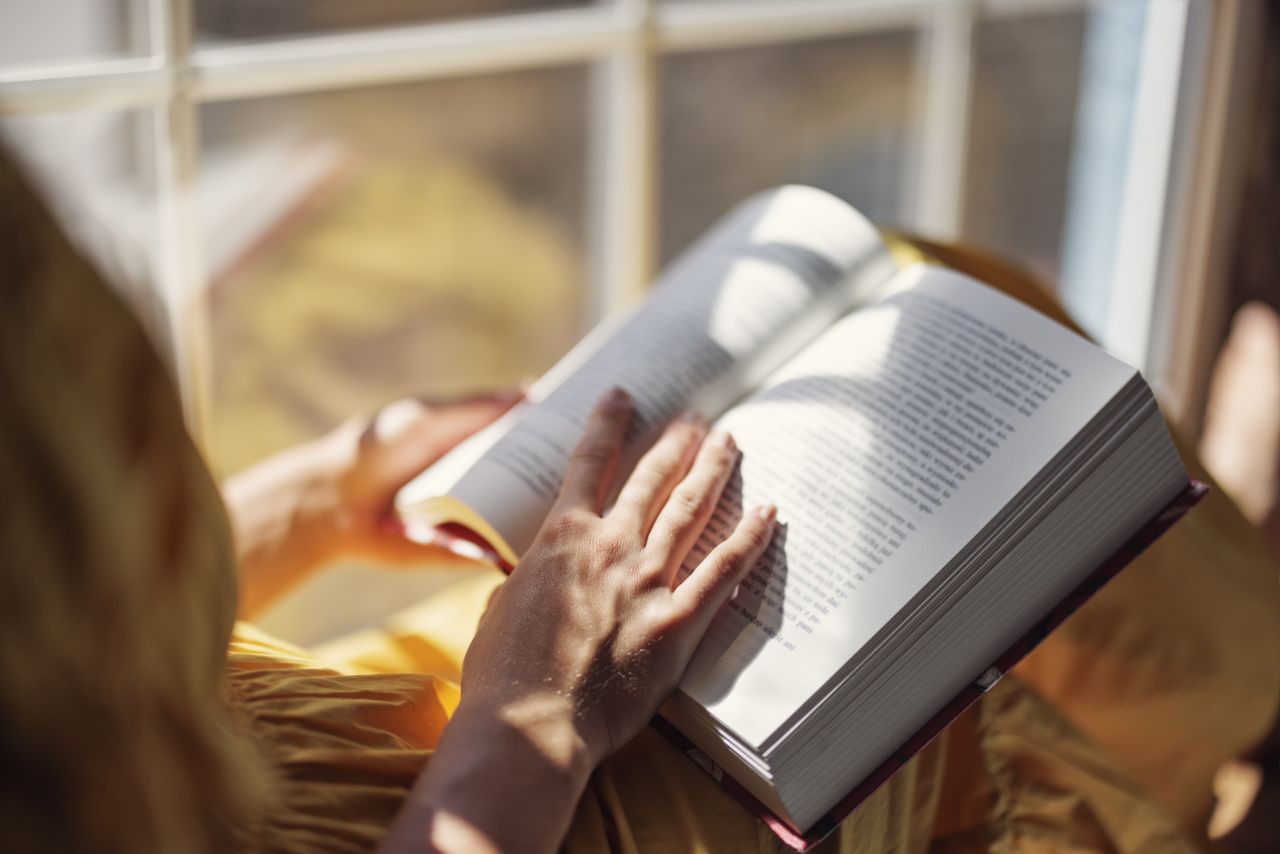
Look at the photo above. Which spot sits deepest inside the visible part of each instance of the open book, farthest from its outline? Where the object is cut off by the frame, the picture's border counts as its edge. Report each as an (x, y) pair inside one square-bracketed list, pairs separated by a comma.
[(949, 466)]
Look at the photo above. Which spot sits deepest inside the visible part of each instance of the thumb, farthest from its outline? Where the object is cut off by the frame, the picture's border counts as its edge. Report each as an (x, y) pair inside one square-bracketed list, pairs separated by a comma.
[(407, 436)]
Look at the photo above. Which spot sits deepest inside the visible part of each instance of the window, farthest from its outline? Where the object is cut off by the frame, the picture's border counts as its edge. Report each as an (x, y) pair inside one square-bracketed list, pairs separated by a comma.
[(423, 238), (340, 202)]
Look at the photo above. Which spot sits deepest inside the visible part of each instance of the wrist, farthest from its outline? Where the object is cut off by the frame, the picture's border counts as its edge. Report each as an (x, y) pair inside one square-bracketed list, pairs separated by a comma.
[(542, 722), (506, 776), (285, 520)]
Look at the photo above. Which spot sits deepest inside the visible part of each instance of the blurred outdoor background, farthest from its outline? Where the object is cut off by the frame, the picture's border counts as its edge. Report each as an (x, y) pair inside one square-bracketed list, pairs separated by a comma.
[(315, 228)]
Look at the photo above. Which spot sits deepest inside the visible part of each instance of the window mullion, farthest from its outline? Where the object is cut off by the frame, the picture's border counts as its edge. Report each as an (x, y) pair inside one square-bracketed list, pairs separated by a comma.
[(623, 167), (180, 270), (103, 85), (714, 24), (1143, 207), (934, 189)]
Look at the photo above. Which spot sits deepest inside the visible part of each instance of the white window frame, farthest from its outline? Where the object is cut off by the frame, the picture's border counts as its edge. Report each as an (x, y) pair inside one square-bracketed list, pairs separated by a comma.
[(622, 40)]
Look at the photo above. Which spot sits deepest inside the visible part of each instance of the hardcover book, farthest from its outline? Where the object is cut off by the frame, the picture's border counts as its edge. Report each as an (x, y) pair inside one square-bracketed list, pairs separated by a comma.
[(954, 473)]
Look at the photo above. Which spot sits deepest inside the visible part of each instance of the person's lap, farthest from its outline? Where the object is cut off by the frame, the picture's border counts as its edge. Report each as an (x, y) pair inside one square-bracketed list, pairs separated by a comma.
[(1011, 770)]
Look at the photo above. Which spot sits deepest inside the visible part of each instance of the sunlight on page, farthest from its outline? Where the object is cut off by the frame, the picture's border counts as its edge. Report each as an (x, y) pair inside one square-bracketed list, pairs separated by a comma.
[(737, 324), (819, 222), (794, 430), (885, 443)]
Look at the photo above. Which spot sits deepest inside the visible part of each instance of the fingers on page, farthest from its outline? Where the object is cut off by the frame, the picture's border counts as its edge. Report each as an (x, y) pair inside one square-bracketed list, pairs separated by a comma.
[(658, 472), (693, 501), (713, 581), (594, 460)]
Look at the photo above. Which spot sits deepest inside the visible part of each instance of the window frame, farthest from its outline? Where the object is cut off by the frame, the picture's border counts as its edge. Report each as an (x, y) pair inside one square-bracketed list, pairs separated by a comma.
[(623, 41)]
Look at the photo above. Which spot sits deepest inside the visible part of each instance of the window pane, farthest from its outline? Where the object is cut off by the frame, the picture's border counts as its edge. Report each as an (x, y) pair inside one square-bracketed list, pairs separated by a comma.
[(252, 19), (833, 113), (1025, 91), (60, 31), (422, 239)]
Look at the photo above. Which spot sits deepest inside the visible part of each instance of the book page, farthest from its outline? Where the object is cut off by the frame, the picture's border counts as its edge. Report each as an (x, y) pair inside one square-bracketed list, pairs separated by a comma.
[(733, 308), (887, 444)]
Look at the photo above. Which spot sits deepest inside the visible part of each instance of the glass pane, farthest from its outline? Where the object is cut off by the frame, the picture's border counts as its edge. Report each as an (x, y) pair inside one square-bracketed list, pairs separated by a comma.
[(218, 20), (423, 239), (1112, 74), (95, 171), (61, 31), (833, 113), (1025, 90)]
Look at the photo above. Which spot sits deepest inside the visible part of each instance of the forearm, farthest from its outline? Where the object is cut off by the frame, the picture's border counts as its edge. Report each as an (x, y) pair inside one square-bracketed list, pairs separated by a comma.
[(329, 498), (503, 779), (278, 510)]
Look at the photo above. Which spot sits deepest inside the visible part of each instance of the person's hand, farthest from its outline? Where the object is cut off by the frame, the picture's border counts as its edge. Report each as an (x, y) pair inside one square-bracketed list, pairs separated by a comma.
[(593, 623), (328, 499), (372, 461), (586, 639)]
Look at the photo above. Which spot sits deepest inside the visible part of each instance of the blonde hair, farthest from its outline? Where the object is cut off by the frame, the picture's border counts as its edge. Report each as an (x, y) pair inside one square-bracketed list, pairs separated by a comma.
[(116, 577)]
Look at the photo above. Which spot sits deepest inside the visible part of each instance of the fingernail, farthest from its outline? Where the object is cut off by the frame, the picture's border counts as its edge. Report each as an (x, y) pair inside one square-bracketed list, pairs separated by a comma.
[(766, 512), (615, 398), (395, 419), (721, 439)]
